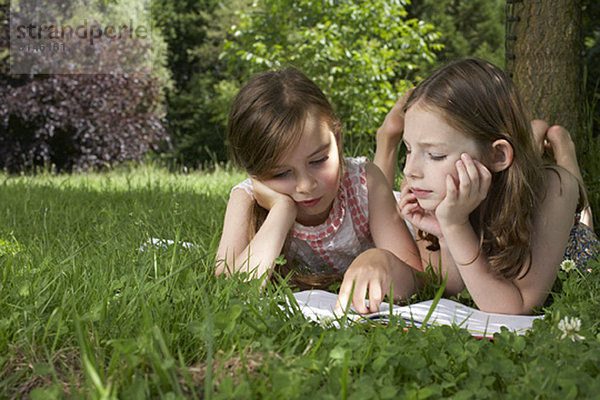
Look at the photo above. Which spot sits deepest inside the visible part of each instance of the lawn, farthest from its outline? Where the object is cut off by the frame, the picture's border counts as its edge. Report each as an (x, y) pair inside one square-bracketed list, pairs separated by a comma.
[(87, 312)]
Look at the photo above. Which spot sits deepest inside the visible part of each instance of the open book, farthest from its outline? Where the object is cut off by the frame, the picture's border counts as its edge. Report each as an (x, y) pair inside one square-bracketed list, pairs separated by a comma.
[(318, 305), (158, 243)]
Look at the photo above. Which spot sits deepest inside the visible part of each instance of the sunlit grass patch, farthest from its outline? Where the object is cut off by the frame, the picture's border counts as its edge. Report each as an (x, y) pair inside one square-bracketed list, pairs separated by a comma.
[(85, 313)]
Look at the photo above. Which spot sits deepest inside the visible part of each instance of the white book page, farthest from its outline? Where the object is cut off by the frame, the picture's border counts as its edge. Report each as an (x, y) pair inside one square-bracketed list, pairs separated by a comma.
[(319, 305)]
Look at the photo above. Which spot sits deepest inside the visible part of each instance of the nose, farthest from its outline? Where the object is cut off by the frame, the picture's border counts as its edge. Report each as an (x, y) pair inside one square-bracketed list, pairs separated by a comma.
[(411, 167), (305, 182)]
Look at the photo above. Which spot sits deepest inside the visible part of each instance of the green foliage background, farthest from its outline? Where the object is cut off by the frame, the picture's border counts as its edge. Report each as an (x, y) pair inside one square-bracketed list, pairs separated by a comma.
[(467, 28), (195, 31), (362, 54)]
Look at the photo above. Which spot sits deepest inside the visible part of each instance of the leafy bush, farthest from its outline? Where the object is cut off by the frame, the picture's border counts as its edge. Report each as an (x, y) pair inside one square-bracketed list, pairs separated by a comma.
[(79, 120), (362, 54)]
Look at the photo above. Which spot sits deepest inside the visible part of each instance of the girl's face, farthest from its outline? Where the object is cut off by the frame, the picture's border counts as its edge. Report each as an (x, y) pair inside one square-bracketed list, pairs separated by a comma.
[(310, 172), (433, 148)]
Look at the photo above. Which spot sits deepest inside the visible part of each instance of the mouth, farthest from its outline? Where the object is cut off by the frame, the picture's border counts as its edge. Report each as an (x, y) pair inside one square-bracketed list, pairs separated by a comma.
[(418, 192), (309, 203)]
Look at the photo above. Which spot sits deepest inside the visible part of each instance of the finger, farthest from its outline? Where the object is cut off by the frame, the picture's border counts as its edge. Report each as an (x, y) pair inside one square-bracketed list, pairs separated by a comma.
[(407, 200), (344, 295), (375, 297), (413, 212), (464, 182), (409, 209), (358, 298), (451, 191), (404, 188), (472, 170), (485, 178)]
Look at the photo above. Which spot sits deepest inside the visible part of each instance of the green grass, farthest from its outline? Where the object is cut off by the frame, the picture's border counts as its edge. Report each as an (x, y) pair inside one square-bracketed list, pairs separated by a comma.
[(85, 314)]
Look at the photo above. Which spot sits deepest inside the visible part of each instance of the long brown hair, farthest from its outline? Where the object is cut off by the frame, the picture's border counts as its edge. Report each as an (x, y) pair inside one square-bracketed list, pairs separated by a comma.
[(267, 120), (268, 115), (478, 99)]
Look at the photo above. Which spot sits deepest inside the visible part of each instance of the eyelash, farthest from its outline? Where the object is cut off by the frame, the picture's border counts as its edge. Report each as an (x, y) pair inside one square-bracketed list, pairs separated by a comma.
[(283, 174), (320, 160), (436, 157), (280, 175), (432, 156)]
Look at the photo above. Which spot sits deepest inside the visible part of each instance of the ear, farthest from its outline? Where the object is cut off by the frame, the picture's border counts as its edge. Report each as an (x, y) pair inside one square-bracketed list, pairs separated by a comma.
[(502, 155)]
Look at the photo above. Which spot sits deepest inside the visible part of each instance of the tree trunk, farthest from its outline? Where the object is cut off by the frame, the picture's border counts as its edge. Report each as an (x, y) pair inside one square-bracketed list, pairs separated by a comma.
[(546, 65)]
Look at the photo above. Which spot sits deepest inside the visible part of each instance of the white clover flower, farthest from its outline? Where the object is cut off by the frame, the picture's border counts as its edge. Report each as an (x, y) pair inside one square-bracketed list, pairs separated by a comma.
[(568, 265), (569, 328)]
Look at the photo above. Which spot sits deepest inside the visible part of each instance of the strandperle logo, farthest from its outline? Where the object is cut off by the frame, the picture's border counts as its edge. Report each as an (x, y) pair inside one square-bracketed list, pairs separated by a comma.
[(89, 32), (79, 37)]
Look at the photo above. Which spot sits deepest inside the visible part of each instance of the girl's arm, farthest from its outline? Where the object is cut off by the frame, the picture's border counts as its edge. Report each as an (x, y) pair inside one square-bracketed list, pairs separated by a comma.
[(388, 229), (557, 142), (552, 227), (374, 271), (551, 230), (237, 253), (388, 139)]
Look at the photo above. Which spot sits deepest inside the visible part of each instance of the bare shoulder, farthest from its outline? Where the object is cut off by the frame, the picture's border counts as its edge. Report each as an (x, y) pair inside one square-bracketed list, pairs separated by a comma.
[(240, 195), (371, 168), (561, 185), (559, 202)]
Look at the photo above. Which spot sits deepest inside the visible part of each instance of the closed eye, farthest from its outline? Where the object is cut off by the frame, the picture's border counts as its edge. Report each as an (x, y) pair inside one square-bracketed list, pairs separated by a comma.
[(437, 157), (281, 174), (320, 160)]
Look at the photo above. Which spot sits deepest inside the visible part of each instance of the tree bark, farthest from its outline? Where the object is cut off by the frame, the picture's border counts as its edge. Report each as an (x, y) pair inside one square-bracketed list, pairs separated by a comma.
[(547, 64)]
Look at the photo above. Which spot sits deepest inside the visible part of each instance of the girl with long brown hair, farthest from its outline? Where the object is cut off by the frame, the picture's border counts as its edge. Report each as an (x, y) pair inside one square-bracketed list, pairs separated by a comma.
[(489, 212), (304, 200)]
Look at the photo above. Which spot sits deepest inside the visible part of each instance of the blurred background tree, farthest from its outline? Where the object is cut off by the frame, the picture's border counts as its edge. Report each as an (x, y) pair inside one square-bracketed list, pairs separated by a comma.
[(545, 59), (195, 31), (362, 54), (552, 56), (467, 28)]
